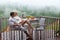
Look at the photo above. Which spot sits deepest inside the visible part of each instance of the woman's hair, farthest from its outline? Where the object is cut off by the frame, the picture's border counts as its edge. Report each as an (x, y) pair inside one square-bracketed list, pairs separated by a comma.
[(11, 13)]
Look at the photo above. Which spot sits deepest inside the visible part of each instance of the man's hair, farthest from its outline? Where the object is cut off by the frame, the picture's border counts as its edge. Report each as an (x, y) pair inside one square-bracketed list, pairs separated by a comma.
[(11, 13)]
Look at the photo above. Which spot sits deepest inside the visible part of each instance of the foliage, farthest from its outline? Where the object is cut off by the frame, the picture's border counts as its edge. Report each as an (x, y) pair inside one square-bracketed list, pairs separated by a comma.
[(41, 12)]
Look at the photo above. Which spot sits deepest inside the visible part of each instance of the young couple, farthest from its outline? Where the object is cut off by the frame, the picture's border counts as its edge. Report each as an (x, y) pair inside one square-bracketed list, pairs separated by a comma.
[(17, 23)]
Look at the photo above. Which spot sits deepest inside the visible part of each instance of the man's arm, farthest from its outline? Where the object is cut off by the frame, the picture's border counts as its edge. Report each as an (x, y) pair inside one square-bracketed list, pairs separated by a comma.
[(13, 22)]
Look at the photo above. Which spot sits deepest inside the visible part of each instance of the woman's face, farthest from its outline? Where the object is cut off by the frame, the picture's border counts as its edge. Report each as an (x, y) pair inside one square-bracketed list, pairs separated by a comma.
[(15, 14)]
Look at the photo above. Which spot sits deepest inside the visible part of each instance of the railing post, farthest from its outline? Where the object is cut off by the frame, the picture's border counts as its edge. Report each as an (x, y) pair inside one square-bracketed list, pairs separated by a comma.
[(59, 27), (0, 29), (0, 35)]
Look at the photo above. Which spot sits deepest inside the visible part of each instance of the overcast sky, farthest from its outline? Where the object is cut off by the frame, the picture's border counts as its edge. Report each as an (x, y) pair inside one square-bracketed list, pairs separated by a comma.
[(36, 4), (32, 3)]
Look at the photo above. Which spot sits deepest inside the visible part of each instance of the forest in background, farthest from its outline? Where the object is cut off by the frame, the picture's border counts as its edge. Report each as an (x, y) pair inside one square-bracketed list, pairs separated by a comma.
[(46, 11)]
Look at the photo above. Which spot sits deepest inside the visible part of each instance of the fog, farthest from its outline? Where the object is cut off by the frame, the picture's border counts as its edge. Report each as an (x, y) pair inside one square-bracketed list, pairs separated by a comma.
[(30, 6), (32, 3)]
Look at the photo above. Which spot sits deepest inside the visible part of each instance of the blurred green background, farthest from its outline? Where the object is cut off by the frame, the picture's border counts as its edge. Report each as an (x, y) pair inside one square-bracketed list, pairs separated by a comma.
[(46, 11)]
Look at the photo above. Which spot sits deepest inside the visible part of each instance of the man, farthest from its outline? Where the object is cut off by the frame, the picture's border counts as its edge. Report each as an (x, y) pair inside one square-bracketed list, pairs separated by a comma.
[(17, 23)]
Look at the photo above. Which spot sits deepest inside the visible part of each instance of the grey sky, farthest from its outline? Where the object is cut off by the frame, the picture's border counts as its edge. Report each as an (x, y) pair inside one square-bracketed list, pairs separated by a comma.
[(32, 3)]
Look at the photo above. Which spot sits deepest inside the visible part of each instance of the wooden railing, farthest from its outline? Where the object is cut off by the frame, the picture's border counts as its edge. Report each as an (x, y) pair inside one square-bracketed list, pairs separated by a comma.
[(51, 30)]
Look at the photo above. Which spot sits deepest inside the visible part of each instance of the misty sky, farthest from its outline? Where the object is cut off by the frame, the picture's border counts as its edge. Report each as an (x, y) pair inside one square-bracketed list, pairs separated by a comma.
[(32, 3)]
